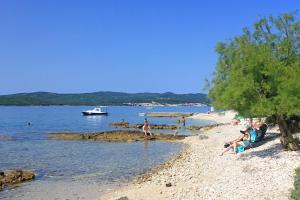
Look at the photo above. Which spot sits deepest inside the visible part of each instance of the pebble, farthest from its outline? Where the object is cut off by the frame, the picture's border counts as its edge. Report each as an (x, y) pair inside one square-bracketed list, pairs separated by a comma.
[(168, 184)]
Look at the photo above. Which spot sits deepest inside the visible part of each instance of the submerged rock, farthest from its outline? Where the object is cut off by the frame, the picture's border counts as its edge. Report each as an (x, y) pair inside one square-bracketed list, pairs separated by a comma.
[(116, 136), (6, 138), (12, 177)]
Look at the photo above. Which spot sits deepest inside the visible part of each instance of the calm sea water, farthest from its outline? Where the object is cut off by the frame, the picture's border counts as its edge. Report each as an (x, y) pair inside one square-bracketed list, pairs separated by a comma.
[(78, 169)]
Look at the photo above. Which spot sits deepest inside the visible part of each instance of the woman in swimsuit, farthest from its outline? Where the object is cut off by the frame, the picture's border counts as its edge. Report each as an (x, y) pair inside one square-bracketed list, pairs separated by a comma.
[(146, 128)]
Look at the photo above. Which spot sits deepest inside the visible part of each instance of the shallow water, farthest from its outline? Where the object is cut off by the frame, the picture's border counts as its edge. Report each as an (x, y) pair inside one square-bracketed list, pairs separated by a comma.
[(69, 169)]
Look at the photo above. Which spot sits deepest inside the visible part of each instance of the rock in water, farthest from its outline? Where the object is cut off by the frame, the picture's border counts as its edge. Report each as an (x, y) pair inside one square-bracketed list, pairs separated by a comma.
[(122, 124), (116, 136), (11, 177), (6, 138)]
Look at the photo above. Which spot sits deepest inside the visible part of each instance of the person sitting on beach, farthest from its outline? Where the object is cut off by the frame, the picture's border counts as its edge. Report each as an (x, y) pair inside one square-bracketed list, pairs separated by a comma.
[(251, 129), (257, 124), (146, 128), (247, 124), (255, 131), (246, 127), (239, 144)]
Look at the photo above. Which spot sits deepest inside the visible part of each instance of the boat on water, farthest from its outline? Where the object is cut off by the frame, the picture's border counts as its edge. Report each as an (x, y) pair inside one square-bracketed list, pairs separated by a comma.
[(101, 110), (142, 114)]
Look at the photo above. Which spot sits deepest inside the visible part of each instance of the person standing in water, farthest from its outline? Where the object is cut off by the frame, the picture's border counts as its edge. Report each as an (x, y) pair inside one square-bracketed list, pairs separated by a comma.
[(183, 120), (146, 128)]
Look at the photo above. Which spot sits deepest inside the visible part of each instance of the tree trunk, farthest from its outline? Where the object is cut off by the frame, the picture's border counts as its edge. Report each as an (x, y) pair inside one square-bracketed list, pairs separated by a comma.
[(287, 139)]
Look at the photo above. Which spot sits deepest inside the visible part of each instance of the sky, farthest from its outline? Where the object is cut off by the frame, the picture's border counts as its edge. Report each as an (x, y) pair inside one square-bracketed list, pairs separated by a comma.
[(71, 46)]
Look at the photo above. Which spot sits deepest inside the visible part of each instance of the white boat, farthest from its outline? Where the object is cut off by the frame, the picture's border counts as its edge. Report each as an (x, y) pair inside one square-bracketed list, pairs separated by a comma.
[(142, 114), (96, 111)]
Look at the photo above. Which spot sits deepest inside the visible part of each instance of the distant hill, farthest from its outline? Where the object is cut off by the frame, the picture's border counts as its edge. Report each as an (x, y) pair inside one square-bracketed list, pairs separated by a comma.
[(99, 98)]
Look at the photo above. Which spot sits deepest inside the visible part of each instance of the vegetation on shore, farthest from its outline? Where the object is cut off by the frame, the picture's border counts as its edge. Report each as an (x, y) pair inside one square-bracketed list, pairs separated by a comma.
[(258, 73), (296, 192), (99, 98)]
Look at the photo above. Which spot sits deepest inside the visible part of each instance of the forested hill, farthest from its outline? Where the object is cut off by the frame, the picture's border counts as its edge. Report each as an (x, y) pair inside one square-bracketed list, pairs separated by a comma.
[(99, 98)]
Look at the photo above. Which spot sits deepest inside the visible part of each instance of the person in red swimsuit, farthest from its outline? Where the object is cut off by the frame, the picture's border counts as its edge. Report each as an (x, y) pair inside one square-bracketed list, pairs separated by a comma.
[(146, 128)]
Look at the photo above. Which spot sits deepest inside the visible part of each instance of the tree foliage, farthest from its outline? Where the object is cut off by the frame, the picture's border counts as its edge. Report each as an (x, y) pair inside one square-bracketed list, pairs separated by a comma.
[(258, 72)]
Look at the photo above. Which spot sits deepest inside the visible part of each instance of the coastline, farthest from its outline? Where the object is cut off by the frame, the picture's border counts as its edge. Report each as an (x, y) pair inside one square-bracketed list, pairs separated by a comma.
[(220, 118), (198, 172)]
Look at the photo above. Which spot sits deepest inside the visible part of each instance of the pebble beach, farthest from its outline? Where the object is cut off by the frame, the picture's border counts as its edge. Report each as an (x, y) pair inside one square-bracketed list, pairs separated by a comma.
[(266, 171)]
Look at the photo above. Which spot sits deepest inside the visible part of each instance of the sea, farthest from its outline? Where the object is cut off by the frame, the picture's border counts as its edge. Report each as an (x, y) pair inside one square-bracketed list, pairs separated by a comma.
[(80, 169)]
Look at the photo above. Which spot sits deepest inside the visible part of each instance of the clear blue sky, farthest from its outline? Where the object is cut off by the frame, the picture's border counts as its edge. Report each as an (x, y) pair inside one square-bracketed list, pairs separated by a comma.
[(119, 45)]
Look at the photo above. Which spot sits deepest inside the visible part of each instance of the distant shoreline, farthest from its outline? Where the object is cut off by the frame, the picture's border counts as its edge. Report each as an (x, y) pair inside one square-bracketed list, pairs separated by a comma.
[(104, 98)]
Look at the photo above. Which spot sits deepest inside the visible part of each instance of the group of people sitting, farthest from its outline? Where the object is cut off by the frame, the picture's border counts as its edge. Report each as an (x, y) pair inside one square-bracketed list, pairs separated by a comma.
[(253, 132)]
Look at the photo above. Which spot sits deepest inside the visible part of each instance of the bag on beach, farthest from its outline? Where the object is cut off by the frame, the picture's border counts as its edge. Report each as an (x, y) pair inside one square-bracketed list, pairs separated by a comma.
[(258, 135), (261, 132)]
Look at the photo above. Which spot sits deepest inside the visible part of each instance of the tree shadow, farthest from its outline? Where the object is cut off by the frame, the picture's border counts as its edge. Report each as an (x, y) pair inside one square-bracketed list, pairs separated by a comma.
[(272, 152)]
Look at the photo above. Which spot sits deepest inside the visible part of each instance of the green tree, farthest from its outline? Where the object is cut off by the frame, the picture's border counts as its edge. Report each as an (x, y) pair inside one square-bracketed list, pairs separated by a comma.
[(258, 73)]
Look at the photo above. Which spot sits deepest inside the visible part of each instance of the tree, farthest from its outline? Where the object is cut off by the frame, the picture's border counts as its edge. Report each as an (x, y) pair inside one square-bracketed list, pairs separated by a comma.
[(258, 73)]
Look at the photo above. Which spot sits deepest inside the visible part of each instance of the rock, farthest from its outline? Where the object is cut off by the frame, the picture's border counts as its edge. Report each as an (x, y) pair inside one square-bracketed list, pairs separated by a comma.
[(204, 128), (6, 138), (203, 137), (168, 114), (155, 126), (122, 124), (116, 136), (168, 184), (140, 126), (16, 176)]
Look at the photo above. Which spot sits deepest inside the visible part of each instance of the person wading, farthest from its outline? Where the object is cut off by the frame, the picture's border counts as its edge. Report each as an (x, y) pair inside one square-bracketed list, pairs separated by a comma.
[(146, 128)]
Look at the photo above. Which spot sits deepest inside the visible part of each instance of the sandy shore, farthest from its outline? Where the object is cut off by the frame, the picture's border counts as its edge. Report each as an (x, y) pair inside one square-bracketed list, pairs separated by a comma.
[(224, 117), (264, 172)]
